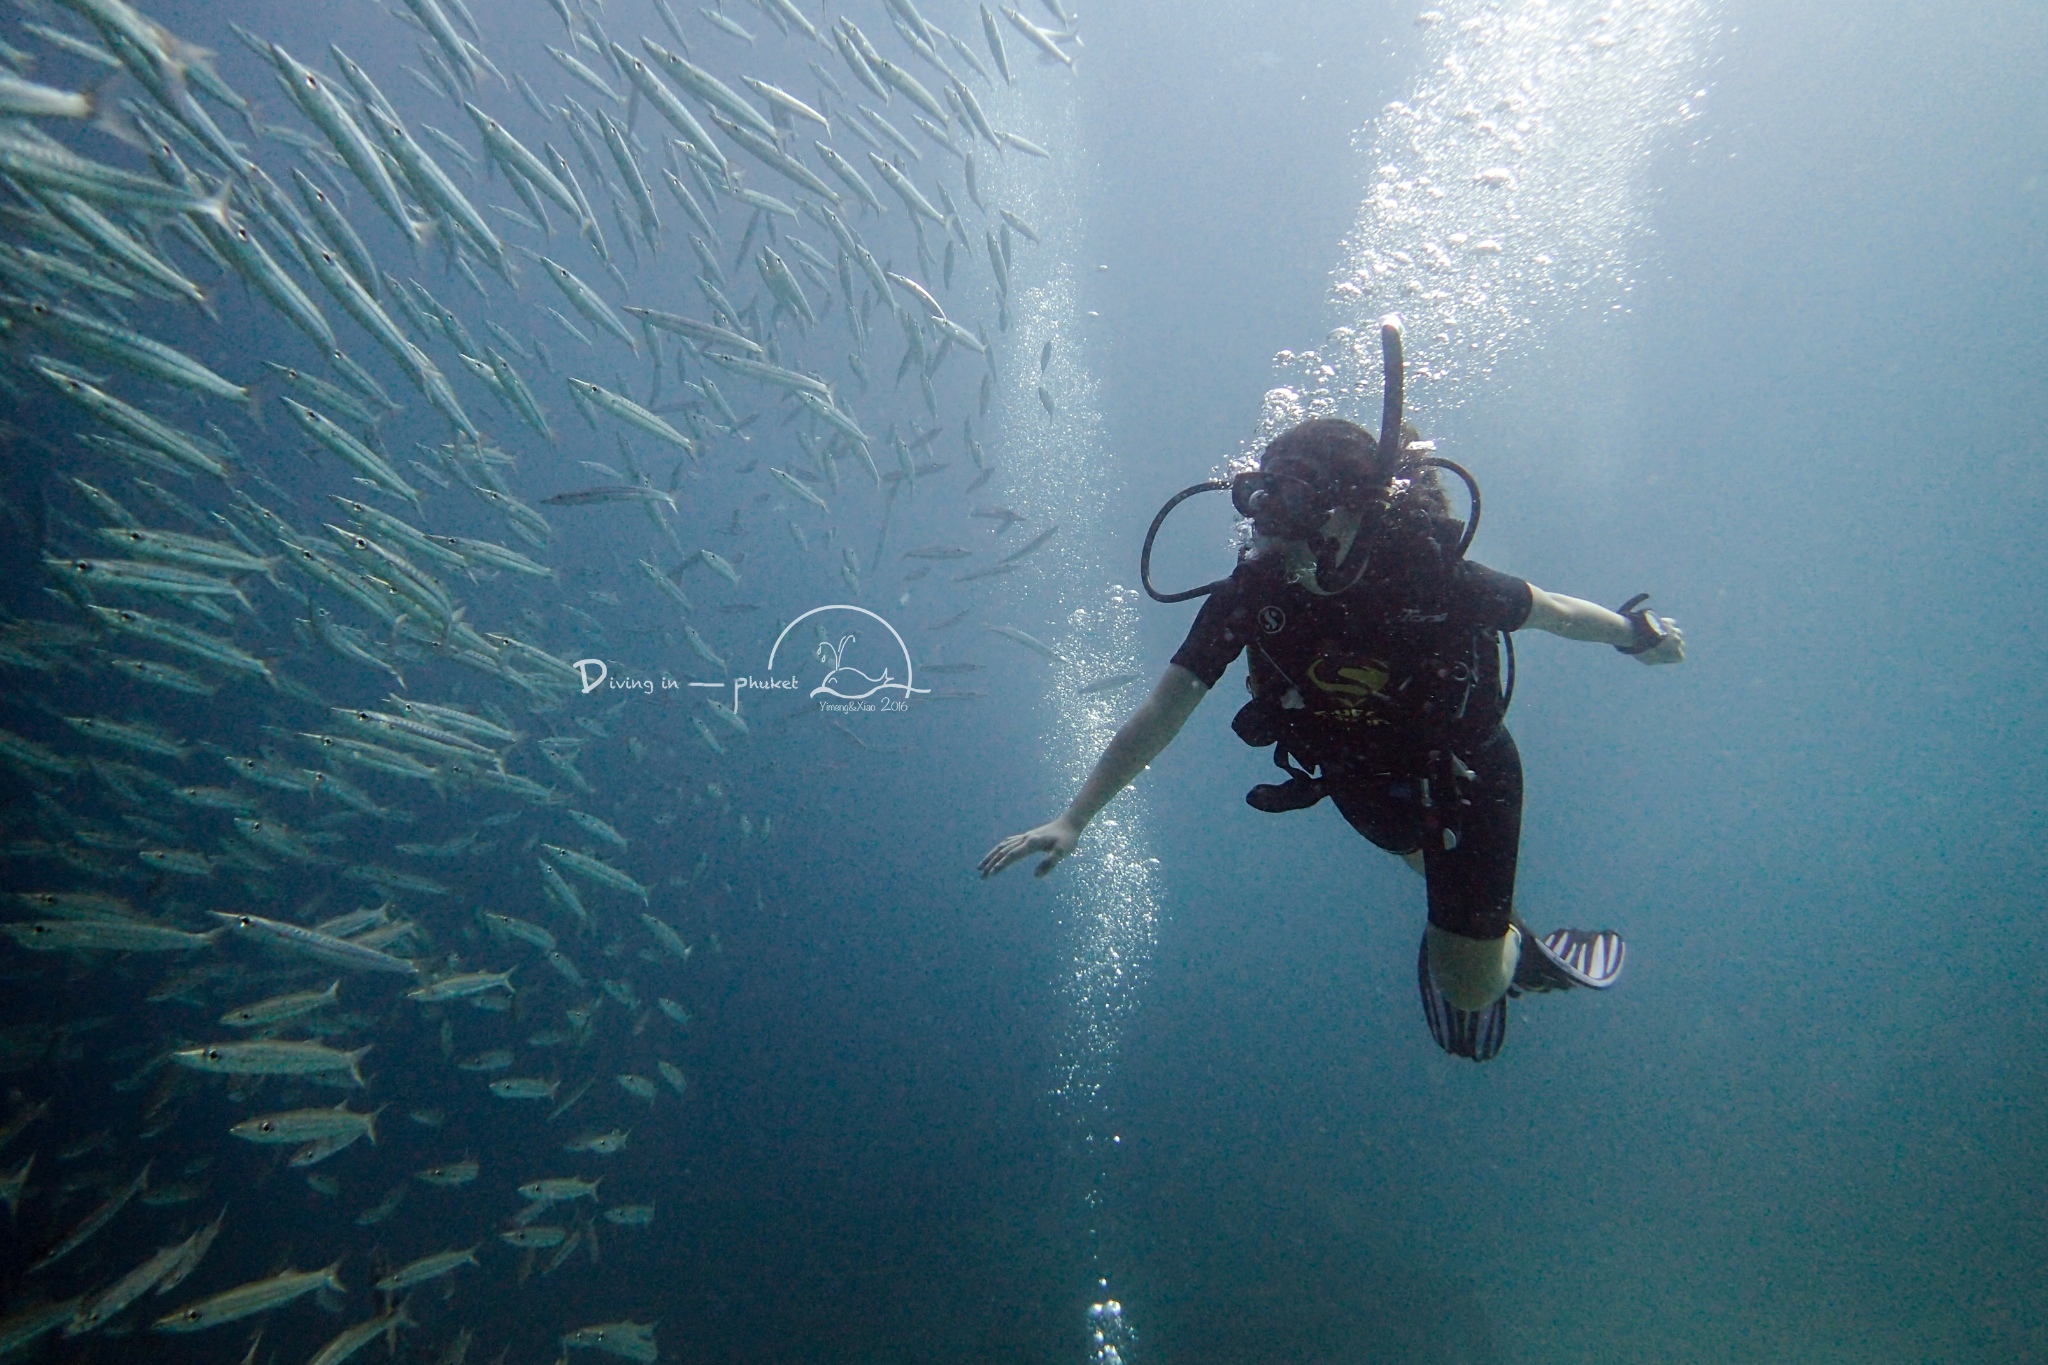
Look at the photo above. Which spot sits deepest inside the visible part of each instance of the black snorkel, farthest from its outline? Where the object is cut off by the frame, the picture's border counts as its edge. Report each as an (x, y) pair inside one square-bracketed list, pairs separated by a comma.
[(1392, 388), (1390, 430)]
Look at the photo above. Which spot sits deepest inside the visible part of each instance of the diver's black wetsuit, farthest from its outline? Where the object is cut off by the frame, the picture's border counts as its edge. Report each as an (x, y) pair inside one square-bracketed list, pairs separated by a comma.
[(1392, 688)]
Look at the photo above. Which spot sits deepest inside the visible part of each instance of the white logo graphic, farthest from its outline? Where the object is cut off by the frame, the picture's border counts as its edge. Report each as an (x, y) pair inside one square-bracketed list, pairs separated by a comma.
[(844, 674), (1272, 620), (849, 687), (583, 667)]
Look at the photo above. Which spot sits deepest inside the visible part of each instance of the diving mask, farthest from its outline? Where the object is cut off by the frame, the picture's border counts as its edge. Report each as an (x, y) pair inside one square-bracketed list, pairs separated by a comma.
[(1284, 506)]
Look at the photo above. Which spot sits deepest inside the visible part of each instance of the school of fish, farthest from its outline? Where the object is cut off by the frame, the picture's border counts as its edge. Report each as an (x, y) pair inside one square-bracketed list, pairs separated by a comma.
[(307, 812)]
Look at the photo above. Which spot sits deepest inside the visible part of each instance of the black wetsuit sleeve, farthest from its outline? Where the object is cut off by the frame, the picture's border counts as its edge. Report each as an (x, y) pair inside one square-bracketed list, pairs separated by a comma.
[(1215, 640), (1492, 599)]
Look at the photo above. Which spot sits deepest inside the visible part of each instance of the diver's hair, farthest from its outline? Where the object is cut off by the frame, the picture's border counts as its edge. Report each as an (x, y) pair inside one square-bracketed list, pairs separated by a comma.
[(1343, 453), (1347, 457), (1425, 490)]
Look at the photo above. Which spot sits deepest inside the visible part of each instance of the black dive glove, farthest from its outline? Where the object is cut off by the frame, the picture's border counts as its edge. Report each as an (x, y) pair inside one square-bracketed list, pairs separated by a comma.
[(1649, 631)]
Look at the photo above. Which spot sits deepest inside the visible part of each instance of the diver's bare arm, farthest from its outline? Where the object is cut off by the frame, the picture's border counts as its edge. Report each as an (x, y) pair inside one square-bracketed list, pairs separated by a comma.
[(1140, 739), (1575, 618)]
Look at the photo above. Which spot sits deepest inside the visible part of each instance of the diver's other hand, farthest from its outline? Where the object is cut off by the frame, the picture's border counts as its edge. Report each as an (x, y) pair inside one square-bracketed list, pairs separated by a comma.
[(1056, 838), (1669, 650)]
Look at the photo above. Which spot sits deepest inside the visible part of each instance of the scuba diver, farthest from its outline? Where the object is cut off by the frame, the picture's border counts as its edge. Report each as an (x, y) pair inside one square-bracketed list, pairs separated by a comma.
[(1375, 674)]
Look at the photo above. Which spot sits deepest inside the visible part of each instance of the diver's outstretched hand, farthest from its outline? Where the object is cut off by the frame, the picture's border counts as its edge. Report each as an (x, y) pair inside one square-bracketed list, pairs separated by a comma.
[(1055, 838), (1669, 650)]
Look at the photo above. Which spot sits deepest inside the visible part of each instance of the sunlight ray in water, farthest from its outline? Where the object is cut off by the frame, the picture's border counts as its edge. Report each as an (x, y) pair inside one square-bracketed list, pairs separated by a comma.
[(1108, 894), (1506, 194)]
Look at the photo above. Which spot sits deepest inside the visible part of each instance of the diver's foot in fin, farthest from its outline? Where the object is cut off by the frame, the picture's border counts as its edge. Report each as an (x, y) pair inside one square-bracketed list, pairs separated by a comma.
[(1296, 793), (1461, 1033), (1564, 958)]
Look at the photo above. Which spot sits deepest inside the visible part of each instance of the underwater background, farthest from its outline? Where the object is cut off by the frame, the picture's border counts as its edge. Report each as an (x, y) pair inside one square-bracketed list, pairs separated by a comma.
[(1783, 361)]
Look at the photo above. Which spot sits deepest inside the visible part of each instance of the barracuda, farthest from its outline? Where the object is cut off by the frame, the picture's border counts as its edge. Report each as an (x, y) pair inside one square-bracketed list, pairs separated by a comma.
[(233, 239), (779, 161), (400, 532), (273, 1059), (279, 1008), (148, 430), (595, 870), (708, 88), (143, 576), (179, 548), (45, 165), (307, 1125), (374, 756), (629, 171), (173, 635), (105, 935), (357, 455), (311, 92), (797, 486), (337, 952), (121, 246), (775, 273), (416, 734), (852, 178), (631, 413), (250, 1299), (434, 185), (913, 201)]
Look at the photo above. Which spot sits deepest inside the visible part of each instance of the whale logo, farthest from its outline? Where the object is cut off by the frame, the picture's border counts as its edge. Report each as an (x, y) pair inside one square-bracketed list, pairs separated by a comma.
[(840, 674)]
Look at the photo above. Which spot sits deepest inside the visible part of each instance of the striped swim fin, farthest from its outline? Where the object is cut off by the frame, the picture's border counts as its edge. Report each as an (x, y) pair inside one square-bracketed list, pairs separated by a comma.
[(1458, 1032), (1564, 958)]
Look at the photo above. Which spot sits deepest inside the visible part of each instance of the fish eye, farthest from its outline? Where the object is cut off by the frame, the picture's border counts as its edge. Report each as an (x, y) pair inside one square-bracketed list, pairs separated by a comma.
[(266, 1128), (213, 1054)]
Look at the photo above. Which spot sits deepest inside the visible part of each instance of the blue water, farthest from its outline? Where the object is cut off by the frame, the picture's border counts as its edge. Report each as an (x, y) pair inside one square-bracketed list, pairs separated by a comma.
[(1803, 1127)]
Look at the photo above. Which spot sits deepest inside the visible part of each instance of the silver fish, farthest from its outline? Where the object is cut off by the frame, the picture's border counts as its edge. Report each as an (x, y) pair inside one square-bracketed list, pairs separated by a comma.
[(1032, 643), (104, 935), (424, 1269), (94, 1221), (279, 1008), (307, 1125), (595, 870), (628, 1340), (108, 1303), (626, 410), (461, 987), (339, 952), (246, 1300), (353, 1339), (452, 1174), (1109, 684), (273, 1059)]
